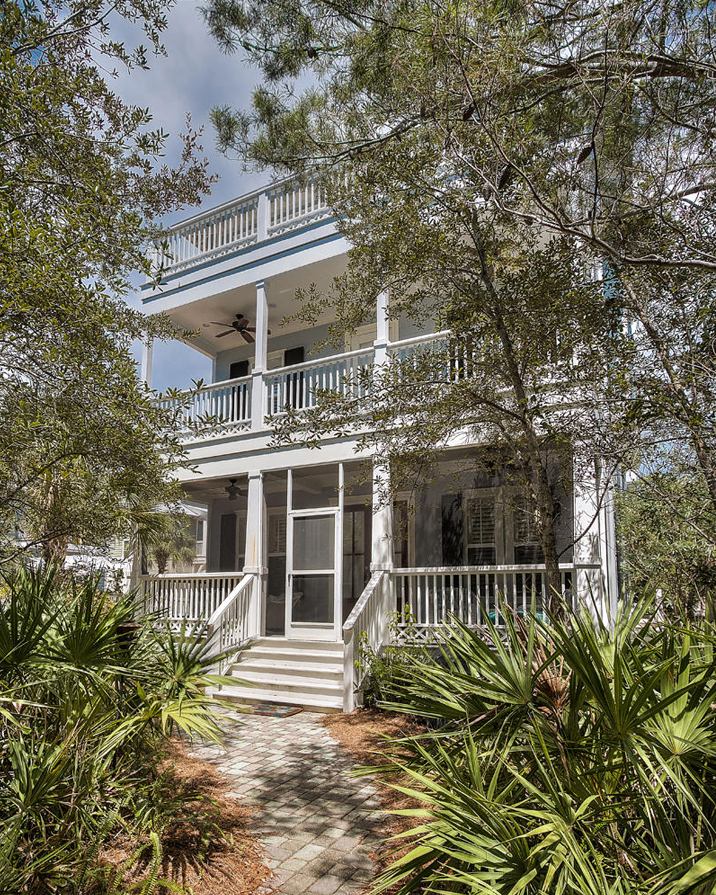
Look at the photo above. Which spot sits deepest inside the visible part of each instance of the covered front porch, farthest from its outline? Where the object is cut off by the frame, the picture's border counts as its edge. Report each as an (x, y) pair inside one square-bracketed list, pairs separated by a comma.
[(315, 554)]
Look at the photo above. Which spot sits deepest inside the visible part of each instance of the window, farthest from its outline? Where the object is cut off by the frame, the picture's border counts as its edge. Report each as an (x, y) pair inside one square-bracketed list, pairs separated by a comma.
[(480, 525), (526, 538), (277, 534), (239, 369)]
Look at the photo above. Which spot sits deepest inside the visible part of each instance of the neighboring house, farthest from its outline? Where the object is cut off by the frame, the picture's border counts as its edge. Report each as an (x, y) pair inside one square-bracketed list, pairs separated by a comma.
[(298, 564)]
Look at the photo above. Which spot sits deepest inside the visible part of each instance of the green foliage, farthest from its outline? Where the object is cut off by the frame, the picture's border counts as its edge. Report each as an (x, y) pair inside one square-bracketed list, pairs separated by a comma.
[(172, 540), (377, 668), (666, 526), (572, 759), (85, 452), (88, 698)]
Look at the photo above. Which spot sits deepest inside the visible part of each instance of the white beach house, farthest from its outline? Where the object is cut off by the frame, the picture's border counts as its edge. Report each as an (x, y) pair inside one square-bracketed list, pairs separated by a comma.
[(300, 561)]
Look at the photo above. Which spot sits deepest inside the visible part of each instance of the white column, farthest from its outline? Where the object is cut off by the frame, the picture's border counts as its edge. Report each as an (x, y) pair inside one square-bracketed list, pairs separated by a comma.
[(254, 557), (255, 512), (261, 353), (382, 528), (147, 362), (382, 328), (382, 545), (593, 547)]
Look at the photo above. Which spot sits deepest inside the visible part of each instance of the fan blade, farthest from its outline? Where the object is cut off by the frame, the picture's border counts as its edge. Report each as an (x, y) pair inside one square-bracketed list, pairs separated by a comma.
[(229, 332), (216, 323), (247, 336), (249, 329)]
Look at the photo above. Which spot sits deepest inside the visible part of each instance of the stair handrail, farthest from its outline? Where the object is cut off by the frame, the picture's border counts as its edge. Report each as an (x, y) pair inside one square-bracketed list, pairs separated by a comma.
[(363, 599), (227, 620), (369, 616)]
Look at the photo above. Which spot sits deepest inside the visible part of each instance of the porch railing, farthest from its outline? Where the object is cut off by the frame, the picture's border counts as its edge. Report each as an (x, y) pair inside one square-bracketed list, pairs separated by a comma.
[(242, 222), (459, 358), (297, 387), (295, 204), (227, 406), (369, 621), (187, 598), (233, 622), (210, 235), (426, 598), (224, 407)]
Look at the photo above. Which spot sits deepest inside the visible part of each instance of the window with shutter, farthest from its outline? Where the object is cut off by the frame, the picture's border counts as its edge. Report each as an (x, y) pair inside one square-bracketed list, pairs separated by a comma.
[(277, 534), (239, 369), (526, 539), (480, 525)]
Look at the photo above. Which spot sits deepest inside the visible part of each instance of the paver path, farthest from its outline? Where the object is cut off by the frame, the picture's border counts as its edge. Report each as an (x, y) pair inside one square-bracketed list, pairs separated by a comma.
[(317, 822)]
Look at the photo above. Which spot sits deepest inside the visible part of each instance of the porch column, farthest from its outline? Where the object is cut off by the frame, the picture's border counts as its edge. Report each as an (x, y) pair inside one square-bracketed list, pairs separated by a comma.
[(261, 352), (145, 373), (593, 526), (382, 533), (382, 328), (254, 562), (382, 544)]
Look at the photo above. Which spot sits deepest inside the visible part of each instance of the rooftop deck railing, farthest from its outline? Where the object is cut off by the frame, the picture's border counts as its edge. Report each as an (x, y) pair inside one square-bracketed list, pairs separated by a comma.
[(242, 222)]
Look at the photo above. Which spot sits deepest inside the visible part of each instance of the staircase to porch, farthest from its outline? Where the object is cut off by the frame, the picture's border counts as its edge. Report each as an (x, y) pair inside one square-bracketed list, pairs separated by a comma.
[(296, 672)]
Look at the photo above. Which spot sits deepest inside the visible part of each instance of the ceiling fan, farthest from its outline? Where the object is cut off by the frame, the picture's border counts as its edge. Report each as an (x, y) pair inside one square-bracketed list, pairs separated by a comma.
[(232, 489), (240, 325)]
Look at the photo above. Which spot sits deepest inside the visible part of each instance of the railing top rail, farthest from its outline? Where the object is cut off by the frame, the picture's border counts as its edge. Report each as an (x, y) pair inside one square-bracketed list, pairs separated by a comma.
[(319, 361), (419, 340), (230, 598), (368, 592), (457, 570), (190, 576)]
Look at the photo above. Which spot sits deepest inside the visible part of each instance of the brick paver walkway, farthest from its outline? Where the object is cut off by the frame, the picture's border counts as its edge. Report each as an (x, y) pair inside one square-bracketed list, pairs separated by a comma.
[(317, 822)]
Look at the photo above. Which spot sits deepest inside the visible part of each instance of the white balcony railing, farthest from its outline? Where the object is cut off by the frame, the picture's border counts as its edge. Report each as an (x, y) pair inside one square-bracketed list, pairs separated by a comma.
[(248, 220), (297, 387), (221, 408), (225, 408), (292, 205), (426, 598), (186, 598), (459, 359)]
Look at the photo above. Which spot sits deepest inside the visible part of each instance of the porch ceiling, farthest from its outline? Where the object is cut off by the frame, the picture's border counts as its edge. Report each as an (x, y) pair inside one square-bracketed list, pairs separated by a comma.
[(223, 306)]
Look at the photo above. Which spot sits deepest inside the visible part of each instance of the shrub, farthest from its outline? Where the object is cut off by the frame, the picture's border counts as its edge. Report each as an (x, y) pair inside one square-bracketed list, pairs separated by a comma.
[(378, 668), (88, 698), (573, 759)]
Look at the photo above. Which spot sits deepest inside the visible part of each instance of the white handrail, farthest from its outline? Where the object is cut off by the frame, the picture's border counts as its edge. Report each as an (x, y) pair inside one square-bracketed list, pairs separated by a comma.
[(426, 598), (419, 340), (523, 567), (222, 608), (198, 576), (231, 621), (369, 618), (241, 223), (192, 597), (357, 610)]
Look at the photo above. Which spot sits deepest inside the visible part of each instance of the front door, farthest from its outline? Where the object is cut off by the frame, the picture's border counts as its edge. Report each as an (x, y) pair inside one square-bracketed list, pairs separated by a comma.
[(313, 574)]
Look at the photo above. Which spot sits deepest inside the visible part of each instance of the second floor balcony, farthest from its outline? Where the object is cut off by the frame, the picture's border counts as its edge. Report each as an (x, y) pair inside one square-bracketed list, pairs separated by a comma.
[(248, 403)]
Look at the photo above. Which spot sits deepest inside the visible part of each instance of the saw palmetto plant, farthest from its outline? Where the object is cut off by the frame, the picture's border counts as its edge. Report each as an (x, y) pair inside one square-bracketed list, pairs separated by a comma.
[(89, 695), (571, 759)]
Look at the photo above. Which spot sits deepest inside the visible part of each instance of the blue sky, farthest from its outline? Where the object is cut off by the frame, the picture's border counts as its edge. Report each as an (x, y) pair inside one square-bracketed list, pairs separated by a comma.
[(192, 77)]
